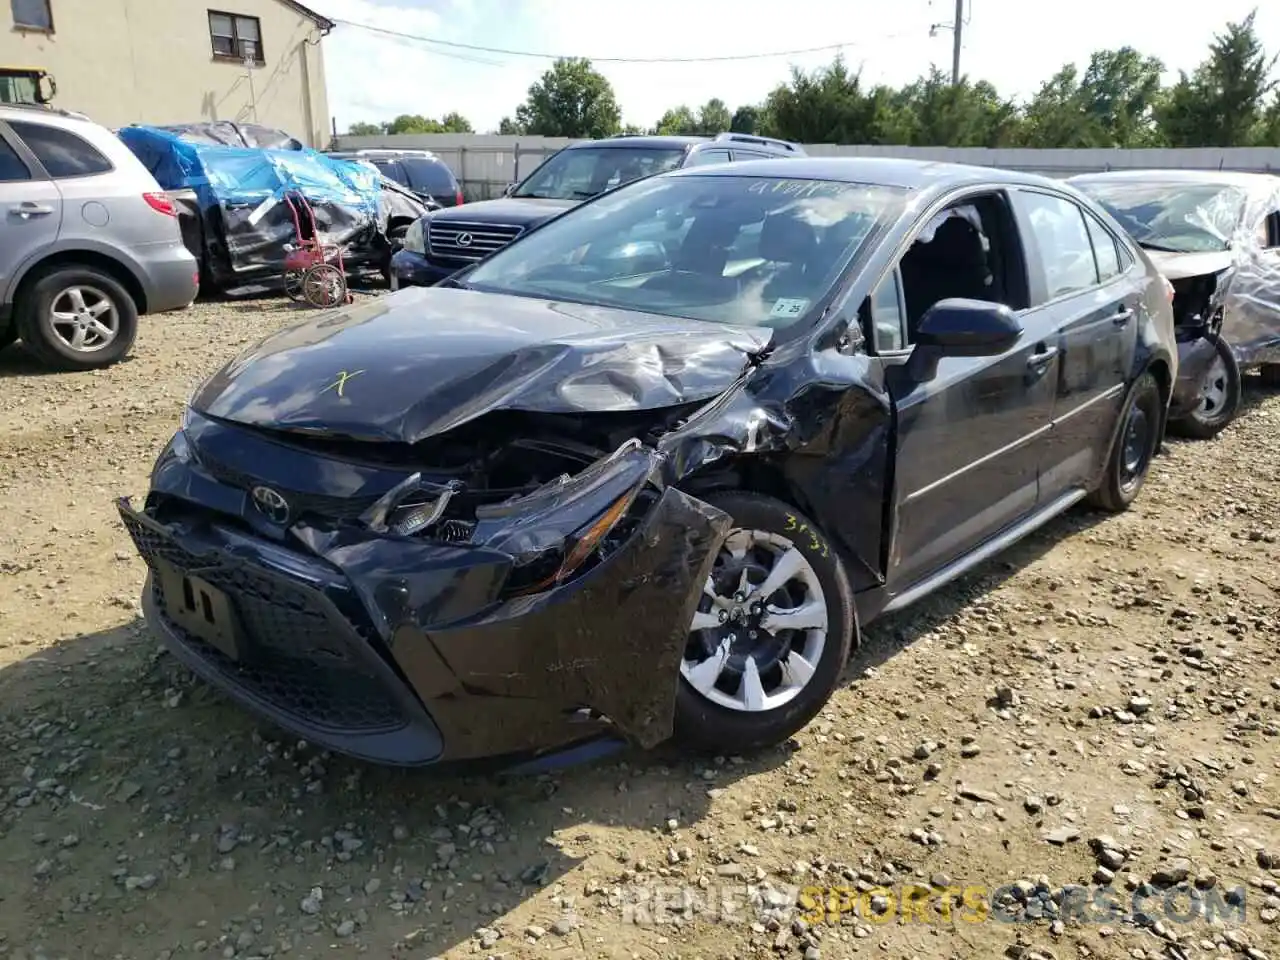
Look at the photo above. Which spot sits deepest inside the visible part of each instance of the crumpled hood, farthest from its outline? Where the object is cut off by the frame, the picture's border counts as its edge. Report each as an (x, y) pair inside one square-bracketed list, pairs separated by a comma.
[(426, 359), (1176, 266)]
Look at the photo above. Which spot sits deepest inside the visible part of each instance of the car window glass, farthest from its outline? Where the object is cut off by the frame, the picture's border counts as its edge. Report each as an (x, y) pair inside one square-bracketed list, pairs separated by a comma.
[(704, 157), (1104, 249), (887, 327), (1063, 240), (429, 176), (61, 152), (759, 251), (392, 170), (583, 172), (11, 166)]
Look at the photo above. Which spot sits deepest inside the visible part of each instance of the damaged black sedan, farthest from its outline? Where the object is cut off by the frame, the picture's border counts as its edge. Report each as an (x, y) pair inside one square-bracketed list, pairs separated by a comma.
[(646, 470)]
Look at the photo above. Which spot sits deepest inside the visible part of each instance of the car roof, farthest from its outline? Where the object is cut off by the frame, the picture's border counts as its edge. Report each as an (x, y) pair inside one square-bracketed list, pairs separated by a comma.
[(30, 111), (641, 141), (1224, 177), (884, 171)]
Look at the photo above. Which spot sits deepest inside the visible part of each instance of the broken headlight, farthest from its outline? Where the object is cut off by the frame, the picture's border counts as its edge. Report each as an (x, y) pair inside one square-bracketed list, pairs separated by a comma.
[(553, 531)]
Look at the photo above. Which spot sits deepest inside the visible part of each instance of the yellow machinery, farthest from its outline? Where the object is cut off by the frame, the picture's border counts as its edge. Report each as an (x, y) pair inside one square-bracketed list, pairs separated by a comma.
[(26, 85)]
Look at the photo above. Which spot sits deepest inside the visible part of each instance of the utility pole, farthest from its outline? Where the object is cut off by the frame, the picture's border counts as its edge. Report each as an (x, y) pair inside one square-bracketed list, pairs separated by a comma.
[(955, 48)]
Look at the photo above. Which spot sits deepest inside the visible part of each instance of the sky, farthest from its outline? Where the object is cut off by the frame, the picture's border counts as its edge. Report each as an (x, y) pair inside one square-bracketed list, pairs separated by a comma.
[(1014, 44)]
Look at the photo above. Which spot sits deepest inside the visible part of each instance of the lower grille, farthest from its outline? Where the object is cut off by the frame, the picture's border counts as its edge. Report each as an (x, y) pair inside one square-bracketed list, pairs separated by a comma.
[(296, 657), (456, 240)]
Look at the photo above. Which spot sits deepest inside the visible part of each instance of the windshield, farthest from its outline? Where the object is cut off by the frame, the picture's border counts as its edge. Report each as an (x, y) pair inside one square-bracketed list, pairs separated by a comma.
[(1173, 217), (581, 173), (758, 251)]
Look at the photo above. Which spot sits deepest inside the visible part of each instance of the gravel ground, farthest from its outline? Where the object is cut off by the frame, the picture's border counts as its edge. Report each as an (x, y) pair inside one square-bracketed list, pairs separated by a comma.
[(1101, 706)]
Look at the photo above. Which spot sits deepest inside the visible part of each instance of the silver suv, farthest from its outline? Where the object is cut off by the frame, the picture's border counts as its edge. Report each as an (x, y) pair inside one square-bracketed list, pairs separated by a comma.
[(88, 240)]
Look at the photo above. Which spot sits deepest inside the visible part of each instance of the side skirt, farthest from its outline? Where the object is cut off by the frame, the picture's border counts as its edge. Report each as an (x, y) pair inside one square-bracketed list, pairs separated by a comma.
[(873, 603)]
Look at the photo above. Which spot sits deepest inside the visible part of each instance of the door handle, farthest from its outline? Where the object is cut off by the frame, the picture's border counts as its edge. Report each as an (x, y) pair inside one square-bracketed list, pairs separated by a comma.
[(28, 209), (1041, 357), (1121, 317)]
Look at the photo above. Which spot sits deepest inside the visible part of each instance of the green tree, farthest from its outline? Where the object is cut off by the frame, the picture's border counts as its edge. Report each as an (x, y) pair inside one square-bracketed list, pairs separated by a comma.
[(571, 100), (412, 123), (1055, 116), (509, 127), (364, 130), (713, 118), (1222, 102), (935, 112), (455, 123), (1113, 104), (829, 105), (679, 122), (746, 119)]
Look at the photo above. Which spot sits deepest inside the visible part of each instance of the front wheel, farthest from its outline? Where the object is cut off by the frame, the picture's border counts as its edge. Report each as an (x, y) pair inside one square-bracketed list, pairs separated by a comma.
[(1219, 399), (1134, 447), (771, 634)]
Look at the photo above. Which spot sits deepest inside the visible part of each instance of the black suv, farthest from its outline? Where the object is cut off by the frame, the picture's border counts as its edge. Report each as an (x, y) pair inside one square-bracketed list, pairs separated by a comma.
[(419, 171), (445, 241)]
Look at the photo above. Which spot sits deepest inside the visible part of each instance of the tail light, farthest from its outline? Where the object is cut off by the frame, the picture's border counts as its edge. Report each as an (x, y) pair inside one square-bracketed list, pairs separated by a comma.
[(458, 198), (160, 203)]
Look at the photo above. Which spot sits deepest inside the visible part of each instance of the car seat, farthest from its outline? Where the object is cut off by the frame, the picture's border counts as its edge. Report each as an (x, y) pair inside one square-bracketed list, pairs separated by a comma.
[(952, 264), (791, 246)]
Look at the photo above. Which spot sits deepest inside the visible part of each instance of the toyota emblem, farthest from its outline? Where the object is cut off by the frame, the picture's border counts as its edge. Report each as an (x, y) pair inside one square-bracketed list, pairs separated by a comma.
[(465, 239), (270, 504)]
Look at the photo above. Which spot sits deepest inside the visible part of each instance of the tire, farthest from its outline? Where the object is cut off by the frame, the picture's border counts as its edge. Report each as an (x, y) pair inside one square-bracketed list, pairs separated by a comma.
[(36, 327), (9, 334), (1128, 464), (703, 720), (1219, 397), (1270, 373)]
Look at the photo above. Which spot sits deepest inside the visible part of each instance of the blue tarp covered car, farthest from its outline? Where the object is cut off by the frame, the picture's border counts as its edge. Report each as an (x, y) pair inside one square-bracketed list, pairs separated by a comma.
[(239, 176)]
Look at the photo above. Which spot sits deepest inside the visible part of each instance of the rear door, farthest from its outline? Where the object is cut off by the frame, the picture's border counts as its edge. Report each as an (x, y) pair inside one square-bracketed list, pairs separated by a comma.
[(30, 208), (1092, 296)]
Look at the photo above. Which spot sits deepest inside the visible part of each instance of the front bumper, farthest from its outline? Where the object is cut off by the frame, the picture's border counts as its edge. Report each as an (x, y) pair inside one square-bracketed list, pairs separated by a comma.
[(400, 650), (409, 269)]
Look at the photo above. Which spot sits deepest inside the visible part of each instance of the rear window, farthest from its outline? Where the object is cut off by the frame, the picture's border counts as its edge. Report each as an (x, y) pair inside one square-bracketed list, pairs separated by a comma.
[(429, 176), (61, 152)]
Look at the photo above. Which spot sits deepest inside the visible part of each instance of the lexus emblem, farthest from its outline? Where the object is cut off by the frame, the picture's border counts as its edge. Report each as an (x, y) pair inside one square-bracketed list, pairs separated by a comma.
[(270, 504), (464, 239)]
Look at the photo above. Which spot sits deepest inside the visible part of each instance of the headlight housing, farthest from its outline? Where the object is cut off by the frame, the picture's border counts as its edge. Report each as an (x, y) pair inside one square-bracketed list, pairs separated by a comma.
[(415, 238)]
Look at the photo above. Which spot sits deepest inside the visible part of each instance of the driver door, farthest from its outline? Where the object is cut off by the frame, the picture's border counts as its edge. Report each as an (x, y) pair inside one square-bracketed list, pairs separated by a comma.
[(969, 439)]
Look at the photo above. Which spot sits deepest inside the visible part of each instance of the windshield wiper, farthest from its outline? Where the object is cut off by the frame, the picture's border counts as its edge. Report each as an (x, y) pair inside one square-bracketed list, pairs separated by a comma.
[(1159, 248)]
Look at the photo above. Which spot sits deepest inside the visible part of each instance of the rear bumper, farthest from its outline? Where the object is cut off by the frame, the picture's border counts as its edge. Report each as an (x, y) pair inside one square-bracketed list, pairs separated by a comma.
[(398, 651), (170, 276)]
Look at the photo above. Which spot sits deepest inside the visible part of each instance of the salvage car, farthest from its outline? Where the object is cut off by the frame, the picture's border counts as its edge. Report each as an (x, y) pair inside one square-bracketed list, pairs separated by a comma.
[(444, 242), (1216, 236), (648, 470)]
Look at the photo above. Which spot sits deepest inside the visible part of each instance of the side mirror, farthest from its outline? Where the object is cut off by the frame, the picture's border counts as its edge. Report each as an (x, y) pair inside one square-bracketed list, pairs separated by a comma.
[(962, 328), (509, 189)]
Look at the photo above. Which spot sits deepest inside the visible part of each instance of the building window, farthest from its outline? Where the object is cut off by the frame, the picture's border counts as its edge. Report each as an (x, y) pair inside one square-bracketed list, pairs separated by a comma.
[(235, 37), (32, 15)]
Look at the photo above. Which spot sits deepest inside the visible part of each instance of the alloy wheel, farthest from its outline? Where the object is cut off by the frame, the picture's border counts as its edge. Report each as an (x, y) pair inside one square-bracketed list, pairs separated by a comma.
[(84, 318), (1213, 390), (760, 627)]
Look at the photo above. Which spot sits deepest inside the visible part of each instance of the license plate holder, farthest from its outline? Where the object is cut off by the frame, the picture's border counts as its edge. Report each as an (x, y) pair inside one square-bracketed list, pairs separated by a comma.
[(201, 609)]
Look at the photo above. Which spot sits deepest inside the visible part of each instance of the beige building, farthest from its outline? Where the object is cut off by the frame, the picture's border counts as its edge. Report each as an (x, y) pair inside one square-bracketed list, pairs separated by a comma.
[(176, 61)]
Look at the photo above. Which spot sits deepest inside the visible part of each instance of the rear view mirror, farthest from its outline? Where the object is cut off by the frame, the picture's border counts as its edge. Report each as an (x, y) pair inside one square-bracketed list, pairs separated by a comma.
[(962, 328), (509, 190)]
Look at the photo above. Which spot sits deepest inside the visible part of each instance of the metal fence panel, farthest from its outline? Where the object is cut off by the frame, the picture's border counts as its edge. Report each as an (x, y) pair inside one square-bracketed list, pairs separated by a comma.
[(485, 164)]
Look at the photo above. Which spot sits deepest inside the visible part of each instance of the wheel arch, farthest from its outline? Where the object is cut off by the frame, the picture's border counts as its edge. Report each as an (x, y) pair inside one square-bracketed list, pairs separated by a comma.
[(83, 258)]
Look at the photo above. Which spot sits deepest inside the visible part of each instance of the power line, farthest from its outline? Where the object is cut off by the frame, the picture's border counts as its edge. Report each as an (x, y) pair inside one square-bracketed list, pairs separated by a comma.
[(826, 48)]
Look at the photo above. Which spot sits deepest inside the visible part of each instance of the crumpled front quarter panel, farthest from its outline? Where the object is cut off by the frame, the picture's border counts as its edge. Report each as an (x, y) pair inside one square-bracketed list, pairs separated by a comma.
[(641, 600)]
